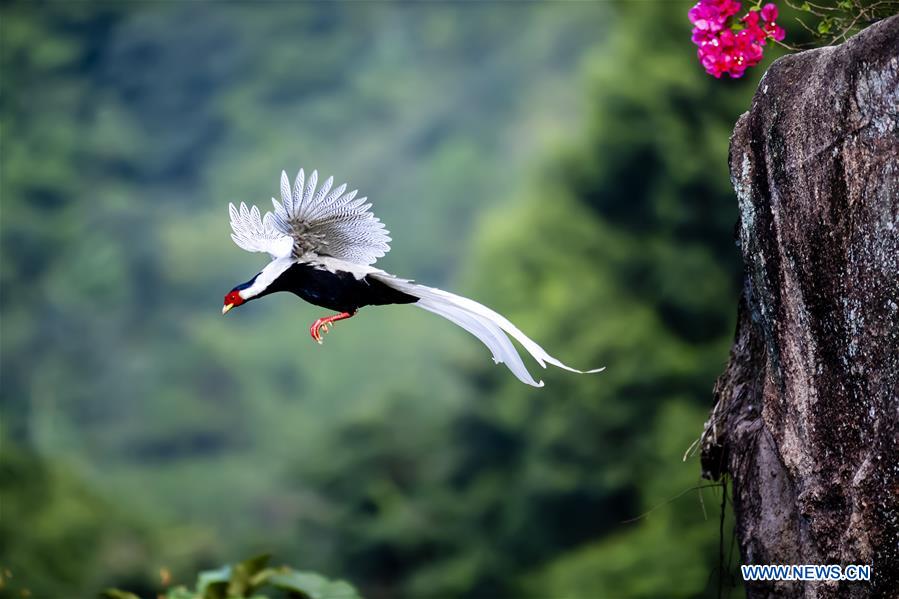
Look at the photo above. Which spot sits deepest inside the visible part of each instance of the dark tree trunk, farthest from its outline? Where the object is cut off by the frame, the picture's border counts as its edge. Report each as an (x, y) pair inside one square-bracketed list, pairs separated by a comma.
[(807, 416)]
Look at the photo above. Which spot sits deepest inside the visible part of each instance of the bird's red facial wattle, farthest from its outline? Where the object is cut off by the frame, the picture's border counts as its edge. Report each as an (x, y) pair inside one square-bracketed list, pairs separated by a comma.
[(232, 300)]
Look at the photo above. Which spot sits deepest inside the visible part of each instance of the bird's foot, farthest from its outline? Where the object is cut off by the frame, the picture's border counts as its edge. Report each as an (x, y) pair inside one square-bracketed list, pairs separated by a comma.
[(321, 326), (318, 330)]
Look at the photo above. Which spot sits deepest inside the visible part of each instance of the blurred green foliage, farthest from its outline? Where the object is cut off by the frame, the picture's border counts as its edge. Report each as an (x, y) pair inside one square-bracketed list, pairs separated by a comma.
[(564, 163), (57, 534), (250, 579), (831, 22)]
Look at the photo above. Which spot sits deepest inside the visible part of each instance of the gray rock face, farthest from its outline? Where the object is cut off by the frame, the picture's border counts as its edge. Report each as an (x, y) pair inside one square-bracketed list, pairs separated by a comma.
[(807, 414)]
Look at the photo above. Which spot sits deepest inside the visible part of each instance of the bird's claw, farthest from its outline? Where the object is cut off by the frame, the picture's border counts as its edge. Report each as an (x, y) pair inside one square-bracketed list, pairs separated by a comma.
[(318, 330), (323, 325)]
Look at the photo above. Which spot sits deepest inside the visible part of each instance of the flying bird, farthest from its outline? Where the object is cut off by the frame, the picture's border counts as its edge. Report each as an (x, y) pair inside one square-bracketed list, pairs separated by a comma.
[(323, 242)]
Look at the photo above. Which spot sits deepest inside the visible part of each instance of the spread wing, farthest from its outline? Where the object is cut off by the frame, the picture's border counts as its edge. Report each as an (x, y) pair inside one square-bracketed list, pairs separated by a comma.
[(255, 234), (321, 222), (329, 222)]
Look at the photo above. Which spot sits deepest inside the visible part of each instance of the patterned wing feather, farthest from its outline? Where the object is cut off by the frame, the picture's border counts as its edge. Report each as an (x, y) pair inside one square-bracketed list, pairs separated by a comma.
[(327, 221)]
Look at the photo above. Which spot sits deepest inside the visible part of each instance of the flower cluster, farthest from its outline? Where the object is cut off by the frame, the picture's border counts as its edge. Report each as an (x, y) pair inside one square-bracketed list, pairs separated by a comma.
[(728, 44)]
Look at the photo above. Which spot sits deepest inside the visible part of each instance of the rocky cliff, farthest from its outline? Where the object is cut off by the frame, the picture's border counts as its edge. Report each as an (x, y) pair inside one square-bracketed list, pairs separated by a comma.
[(806, 422)]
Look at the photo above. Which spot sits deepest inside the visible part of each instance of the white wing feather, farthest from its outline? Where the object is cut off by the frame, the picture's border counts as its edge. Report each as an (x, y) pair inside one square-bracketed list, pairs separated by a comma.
[(255, 234), (308, 223), (329, 223)]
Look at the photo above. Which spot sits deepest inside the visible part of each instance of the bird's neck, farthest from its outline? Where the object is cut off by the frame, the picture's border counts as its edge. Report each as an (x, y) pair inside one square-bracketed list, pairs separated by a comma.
[(258, 285)]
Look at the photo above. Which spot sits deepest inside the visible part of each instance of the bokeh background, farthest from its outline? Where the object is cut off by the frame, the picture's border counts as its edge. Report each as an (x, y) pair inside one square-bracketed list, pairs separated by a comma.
[(562, 162)]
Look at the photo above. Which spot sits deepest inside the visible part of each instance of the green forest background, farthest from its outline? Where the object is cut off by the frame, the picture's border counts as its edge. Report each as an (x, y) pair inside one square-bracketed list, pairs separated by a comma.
[(564, 163)]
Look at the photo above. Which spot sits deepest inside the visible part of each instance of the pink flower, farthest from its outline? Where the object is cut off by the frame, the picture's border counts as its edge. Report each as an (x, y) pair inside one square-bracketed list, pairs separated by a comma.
[(701, 36), (706, 18), (775, 31), (729, 7), (751, 19), (724, 45), (711, 15), (772, 30), (753, 28)]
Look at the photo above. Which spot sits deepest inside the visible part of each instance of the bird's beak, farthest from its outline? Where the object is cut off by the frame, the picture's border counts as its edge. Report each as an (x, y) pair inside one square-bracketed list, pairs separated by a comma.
[(226, 307)]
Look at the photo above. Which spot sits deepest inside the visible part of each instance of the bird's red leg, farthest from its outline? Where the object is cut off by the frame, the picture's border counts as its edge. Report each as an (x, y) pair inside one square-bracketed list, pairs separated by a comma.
[(320, 326)]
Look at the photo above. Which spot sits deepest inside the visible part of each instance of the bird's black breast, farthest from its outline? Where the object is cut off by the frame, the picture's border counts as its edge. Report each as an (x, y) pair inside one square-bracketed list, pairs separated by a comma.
[(339, 291)]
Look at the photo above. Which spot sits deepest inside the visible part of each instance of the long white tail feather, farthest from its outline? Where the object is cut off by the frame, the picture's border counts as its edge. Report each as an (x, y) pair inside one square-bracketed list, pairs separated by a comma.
[(483, 323), (490, 335)]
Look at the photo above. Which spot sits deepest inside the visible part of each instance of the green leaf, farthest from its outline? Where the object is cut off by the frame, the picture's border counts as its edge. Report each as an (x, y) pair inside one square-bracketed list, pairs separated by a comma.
[(117, 594), (805, 7), (216, 590), (261, 578), (824, 26), (181, 592), (212, 577), (241, 582), (846, 4), (313, 586)]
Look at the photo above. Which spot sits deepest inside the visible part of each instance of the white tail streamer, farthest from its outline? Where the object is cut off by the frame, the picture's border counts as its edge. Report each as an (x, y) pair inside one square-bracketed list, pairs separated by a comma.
[(482, 322)]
